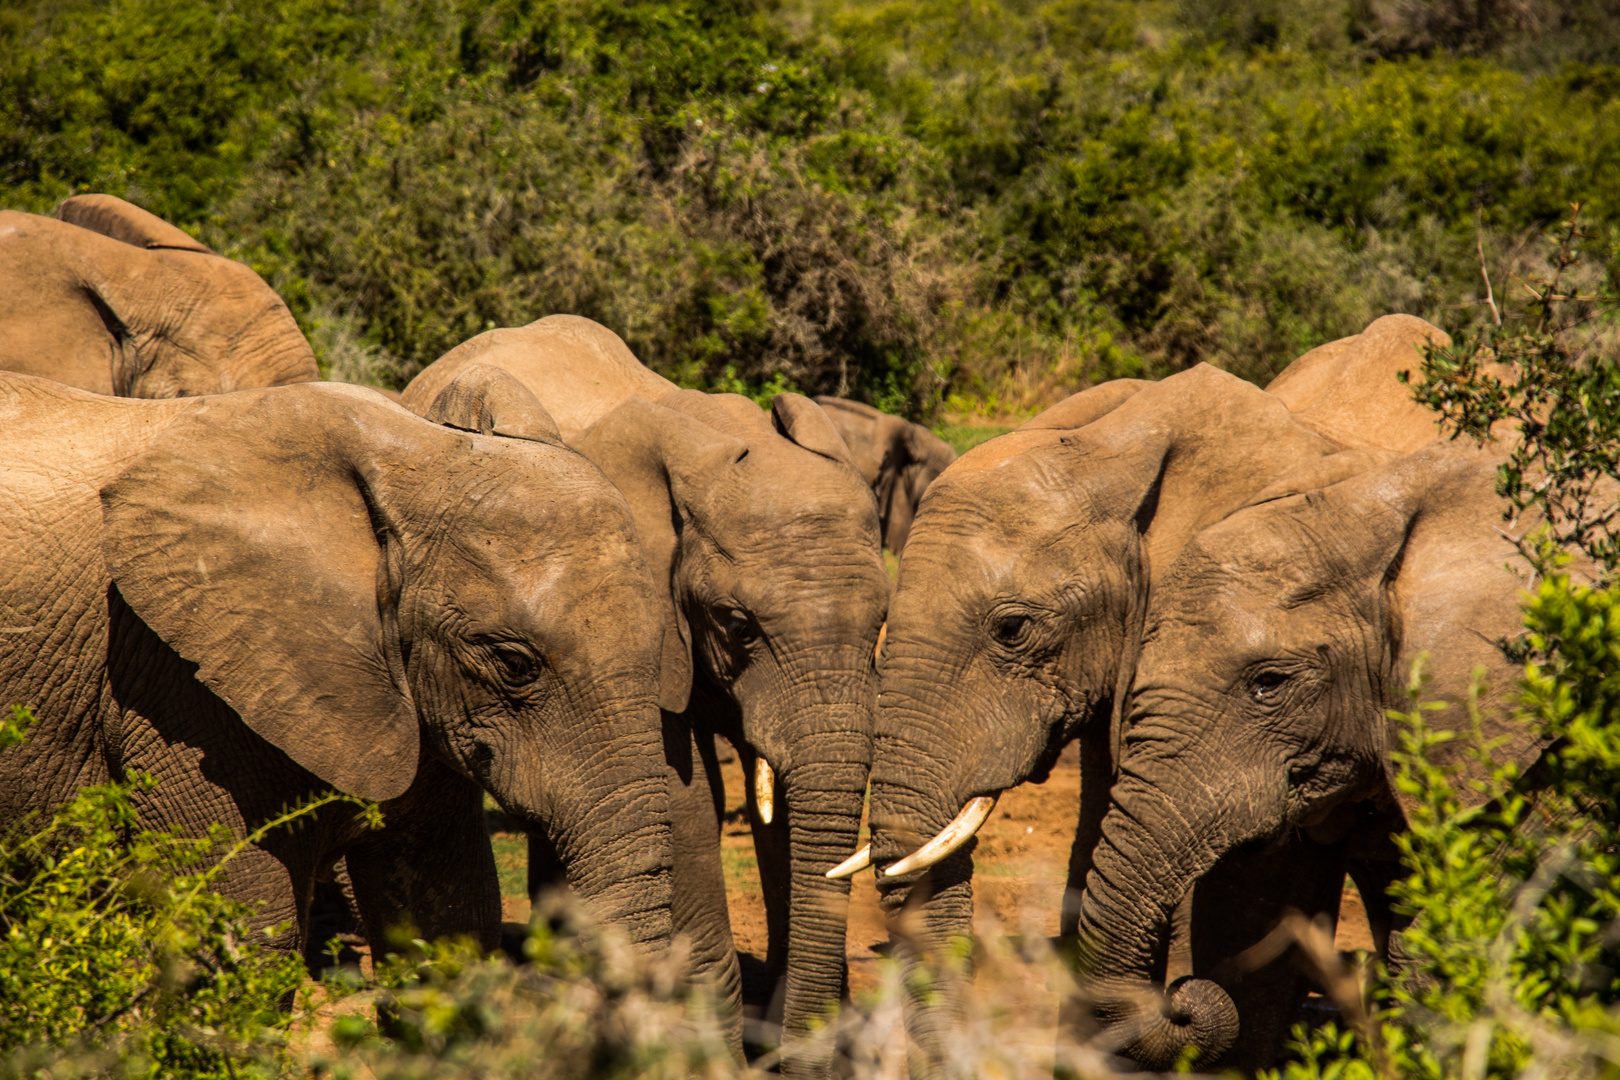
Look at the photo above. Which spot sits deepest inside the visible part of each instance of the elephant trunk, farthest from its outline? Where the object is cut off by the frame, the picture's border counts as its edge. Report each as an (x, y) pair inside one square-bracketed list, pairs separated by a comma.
[(1166, 829), (612, 833), (618, 859), (913, 798), (823, 821)]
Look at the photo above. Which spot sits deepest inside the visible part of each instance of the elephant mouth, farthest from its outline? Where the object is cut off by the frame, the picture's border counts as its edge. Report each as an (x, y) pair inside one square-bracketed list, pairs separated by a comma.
[(974, 813)]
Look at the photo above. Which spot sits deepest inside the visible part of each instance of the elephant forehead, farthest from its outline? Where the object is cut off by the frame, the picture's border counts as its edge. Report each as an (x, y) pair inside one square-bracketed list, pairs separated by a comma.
[(767, 518), (1028, 494), (527, 487), (532, 583)]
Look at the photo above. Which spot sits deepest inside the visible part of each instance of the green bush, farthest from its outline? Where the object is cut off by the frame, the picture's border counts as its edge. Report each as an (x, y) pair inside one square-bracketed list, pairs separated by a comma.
[(986, 207), (117, 958)]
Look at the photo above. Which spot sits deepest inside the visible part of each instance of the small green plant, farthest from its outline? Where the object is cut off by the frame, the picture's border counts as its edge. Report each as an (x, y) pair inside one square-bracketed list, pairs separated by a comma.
[(1538, 369), (118, 957)]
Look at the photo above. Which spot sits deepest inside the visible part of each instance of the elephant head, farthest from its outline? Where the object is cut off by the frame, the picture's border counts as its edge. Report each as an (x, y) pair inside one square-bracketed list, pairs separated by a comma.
[(1271, 651), (368, 590), (1014, 621), (766, 540), (114, 299), (899, 460)]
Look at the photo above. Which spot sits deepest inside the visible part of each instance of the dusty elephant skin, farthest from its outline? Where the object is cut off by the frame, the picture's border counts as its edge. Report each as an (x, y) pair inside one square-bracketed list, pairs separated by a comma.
[(899, 460), (1348, 389), (1271, 650), (765, 538), (117, 301), (262, 595), (1014, 625)]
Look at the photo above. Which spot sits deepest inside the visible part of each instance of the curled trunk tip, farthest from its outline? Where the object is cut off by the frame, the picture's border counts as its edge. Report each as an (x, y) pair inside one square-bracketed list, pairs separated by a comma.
[(1154, 1034)]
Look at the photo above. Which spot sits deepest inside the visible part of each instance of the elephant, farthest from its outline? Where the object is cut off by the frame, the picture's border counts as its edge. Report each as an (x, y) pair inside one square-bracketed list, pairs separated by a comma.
[(254, 597), (899, 460), (116, 300), (1271, 651), (1348, 390), (764, 539), (1013, 631)]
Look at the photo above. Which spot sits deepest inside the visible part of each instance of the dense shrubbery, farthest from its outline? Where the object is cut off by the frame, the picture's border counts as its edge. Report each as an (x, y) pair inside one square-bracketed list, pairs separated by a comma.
[(999, 201)]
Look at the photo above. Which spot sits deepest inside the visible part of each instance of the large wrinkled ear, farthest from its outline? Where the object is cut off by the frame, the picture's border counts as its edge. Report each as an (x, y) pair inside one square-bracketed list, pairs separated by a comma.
[(1428, 526), (112, 216), (1206, 440), (1349, 390), (251, 538), (802, 421), (1323, 472), (659, 459), (490, 401)]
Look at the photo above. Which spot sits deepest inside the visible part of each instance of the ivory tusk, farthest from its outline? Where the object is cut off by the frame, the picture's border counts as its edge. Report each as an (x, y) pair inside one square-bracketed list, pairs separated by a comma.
[(854, 864), (764, 789), (951, 837)]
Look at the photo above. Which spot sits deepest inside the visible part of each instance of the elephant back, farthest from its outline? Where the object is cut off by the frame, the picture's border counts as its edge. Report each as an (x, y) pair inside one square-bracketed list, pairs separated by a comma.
[(578, 369), (1348, 389)]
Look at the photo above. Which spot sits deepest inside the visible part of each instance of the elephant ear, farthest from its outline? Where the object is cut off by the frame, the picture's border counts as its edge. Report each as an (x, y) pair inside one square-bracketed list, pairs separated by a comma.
[(863, 430), (254, 541), (1183, 453), (112, 216), (491, 401), (804, 423), (661, 461), (1437, 552)]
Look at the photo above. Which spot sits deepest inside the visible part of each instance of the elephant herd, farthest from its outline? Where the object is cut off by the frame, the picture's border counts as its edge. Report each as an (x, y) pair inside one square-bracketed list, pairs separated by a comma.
[(549, 575)]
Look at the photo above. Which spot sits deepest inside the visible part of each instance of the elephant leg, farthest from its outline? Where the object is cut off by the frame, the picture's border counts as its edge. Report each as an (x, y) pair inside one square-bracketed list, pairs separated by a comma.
[(699, 910), (1373, 877), (546, 870), (430, 868), (1235, 906), (1096, 778)]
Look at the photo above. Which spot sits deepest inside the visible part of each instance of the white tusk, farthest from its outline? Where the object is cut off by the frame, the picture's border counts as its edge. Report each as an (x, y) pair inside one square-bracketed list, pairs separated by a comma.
[(951, 837), (854, 864), (764, 789)]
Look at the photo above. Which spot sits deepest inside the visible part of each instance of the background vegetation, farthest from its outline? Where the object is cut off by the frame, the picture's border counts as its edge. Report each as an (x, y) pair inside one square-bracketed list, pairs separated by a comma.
[(981, 204), (974, 206)]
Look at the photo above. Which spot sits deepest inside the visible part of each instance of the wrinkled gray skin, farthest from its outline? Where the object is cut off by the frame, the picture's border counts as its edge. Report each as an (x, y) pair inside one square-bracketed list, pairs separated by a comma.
[(899, 460), (259, 596), (117, 301), (1271, 650), (765, 540), (1014, 623)]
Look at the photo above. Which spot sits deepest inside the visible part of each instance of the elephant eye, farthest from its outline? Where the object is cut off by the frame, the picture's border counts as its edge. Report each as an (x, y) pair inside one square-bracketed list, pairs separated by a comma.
[(1264, 686), (740, 627), (1010, 629), (518, 666)]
